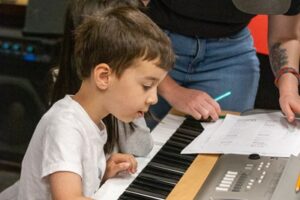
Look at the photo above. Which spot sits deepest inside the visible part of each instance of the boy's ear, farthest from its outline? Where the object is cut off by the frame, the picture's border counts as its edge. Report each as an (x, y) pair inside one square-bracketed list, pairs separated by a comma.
[(102, 74)]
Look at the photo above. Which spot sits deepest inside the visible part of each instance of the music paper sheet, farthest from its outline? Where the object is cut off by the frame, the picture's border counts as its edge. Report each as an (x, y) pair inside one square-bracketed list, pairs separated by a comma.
[(265, 134)]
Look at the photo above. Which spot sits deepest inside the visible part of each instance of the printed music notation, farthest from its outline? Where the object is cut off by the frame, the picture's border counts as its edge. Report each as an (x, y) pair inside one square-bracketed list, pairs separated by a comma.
[(265, 134)]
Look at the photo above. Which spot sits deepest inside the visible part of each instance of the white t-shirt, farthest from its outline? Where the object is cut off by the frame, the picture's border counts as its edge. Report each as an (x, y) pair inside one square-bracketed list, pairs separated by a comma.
[(65, 139)]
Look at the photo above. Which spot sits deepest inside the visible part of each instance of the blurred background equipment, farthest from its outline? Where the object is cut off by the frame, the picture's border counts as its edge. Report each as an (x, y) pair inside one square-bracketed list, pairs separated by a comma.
[(30, 39)]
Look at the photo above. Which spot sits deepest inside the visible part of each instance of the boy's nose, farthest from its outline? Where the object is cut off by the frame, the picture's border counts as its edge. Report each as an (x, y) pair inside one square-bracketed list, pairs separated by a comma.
[(152, 99)]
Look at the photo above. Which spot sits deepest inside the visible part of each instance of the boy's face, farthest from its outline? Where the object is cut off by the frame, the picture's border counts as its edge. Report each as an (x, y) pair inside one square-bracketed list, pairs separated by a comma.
[(136, 89)]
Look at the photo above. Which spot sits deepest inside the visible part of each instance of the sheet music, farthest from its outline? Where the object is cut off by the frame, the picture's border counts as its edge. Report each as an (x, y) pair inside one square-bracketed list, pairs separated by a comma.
[(266, 134), (113, 188), (198, 142)]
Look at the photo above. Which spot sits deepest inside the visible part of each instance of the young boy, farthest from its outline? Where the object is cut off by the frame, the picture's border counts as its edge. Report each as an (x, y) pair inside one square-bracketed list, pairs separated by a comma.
[(121, 57), (134, 137)]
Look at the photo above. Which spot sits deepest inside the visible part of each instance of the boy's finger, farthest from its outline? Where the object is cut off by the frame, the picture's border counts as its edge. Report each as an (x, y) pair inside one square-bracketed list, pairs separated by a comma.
[(125, 158), (122, 166), (133, 167), (118, 157)]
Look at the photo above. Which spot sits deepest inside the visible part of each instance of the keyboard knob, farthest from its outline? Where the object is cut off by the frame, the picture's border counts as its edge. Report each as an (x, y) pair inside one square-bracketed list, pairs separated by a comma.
[(254, 156)]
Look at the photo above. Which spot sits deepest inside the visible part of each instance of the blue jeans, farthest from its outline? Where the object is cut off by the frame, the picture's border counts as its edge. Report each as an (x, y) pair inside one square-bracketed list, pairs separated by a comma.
[(215, 66)]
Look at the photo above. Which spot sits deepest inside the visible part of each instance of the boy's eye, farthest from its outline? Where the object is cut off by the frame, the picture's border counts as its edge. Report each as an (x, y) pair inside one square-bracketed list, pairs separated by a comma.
[(147, 87)]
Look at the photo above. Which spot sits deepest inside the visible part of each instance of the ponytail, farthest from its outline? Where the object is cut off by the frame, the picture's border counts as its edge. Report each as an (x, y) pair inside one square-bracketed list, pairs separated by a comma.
[(67, 81)]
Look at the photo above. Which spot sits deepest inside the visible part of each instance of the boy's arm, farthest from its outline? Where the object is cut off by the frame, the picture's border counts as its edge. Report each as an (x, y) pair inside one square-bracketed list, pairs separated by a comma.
[(284, 50), (66, 186)]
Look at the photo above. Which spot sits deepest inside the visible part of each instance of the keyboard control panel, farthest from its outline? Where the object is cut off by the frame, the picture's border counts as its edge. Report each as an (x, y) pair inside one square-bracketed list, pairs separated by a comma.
[(243, 177)]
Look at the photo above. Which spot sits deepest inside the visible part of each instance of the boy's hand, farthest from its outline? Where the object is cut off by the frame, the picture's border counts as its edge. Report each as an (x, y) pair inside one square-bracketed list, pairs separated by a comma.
[(119, 162)]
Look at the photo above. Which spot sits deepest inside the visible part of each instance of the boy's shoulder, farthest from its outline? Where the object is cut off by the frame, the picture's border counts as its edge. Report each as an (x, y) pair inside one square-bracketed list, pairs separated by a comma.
[(66, 115), (64, 109)]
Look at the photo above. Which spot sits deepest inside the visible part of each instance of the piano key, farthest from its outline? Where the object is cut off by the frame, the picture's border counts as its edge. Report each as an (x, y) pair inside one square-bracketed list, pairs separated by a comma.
[(183, 135), (181, 139), (180, 144), (134, 196), (166, 168), (175, 144), (171, 149), (143, 192), (190, 132), (184, 157), (164, 175), (150, 187), (159, 178), (166, 165), (190, 122), (194, 128), (154, 184), (173, 161), (168, 148)]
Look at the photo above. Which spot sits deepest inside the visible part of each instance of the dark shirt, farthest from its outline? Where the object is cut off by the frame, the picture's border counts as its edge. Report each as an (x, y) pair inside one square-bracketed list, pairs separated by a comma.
[(203, 18)]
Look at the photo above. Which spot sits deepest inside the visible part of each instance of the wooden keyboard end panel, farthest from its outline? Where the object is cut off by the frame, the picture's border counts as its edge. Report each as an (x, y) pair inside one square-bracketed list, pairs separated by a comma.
[(194, 177)]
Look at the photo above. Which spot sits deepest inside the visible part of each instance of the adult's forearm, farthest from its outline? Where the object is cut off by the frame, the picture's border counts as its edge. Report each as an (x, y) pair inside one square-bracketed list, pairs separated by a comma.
[(284, 41), (284, 50), (167, 88)]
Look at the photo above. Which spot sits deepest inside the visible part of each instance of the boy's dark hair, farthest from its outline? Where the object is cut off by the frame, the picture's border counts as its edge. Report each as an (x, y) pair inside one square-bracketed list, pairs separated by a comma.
[(118, 36), (67, 80)]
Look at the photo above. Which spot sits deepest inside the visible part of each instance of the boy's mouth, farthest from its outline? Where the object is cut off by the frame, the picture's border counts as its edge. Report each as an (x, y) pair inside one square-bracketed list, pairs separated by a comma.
[(140, 114)]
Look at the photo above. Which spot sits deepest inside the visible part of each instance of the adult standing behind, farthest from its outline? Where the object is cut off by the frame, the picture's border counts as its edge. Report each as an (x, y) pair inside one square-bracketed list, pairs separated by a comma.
[(215, 54)]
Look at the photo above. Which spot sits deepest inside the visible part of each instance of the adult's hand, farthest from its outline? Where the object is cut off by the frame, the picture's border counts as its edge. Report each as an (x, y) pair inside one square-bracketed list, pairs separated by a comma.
[(290, 104), (189, 101), (289, 96)]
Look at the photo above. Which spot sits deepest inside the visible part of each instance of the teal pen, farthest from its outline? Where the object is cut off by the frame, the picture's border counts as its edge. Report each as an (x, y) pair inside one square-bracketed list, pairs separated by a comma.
[(222, 96)]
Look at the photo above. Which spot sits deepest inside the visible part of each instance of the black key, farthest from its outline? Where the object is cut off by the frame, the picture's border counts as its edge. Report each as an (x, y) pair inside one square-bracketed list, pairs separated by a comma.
[(183, 157), (164, 175), (144, 192), (134, 196), (150, 187), (166, 165), (183, 135), (172, 161), (179, 142), (181, 139), (170, 148), (192, 123), (176, 144), (193, 133)]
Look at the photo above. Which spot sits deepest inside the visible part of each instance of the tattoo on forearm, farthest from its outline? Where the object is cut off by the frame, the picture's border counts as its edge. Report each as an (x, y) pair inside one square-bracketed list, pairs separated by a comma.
[(278, 57)]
